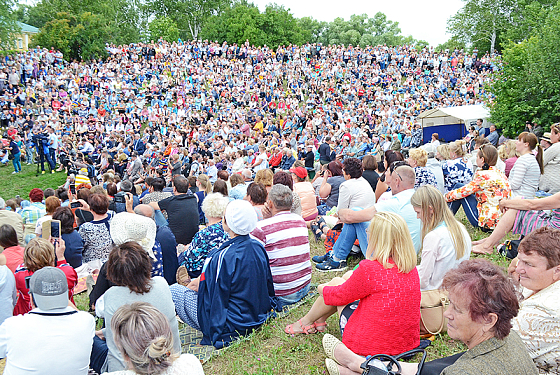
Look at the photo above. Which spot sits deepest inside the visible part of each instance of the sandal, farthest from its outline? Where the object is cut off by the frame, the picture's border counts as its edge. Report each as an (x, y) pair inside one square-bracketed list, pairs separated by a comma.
[(329, 345), (317, 325), (316, 232), (304, 329)]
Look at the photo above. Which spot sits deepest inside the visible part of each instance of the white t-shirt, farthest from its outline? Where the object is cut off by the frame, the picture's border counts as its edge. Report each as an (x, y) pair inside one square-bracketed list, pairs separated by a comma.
[(264, 162), (42, 344)]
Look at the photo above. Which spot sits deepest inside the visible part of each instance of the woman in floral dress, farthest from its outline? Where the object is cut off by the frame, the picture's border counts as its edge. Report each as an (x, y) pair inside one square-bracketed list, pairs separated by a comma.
[(481, 197), (458, 169)]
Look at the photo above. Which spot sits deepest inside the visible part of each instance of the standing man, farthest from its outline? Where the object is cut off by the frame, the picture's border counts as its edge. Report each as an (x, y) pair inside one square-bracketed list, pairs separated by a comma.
[(325, 151), (53, 146)]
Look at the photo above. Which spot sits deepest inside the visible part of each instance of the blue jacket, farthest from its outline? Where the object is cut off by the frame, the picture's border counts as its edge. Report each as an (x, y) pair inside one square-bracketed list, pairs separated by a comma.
[(287, 162), (236, 293)]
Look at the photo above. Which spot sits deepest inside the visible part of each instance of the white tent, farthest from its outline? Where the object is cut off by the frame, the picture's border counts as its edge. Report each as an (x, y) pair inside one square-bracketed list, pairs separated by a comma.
[(452, 122)]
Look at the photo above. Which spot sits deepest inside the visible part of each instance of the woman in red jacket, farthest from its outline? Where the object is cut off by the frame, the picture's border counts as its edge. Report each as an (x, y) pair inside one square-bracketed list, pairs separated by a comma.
[(40, 253), (378, 302)]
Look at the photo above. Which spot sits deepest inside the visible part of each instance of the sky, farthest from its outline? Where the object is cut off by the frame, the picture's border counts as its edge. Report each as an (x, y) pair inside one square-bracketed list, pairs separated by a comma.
[(426, 20)]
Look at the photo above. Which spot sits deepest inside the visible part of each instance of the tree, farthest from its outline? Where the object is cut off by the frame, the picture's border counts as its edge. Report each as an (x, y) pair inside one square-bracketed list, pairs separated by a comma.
[(164, 28), (81, 37), (125, 19), (8, 24), (482, 21), (528, 85), (189, 15), (311, 29)]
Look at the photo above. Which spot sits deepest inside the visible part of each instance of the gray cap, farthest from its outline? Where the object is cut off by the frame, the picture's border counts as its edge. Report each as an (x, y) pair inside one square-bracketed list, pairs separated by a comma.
[(49, 288)]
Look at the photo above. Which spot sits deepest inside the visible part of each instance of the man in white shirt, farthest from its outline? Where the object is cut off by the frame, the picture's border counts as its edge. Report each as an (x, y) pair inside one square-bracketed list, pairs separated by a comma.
[(400, 177), (53, 338)]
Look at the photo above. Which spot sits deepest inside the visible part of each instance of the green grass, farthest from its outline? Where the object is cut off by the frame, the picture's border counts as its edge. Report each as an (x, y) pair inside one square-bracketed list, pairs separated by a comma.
[(268, 350), (22, 183)]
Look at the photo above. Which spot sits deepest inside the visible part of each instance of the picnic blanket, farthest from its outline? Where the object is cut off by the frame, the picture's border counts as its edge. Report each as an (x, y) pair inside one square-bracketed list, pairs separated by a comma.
[(190, 337)]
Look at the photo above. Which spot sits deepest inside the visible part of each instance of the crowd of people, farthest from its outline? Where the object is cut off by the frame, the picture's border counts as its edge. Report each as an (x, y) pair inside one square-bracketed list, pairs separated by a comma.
[(196, 171)]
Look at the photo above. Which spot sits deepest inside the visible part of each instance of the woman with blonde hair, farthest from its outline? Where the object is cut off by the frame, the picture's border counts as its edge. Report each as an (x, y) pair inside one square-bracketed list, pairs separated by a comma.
[(265, 177), (417, 159), (143, 336), (525, 175), (445, 241), (457, 170), (442, 152), (387, 318), (509, 155), (204, 188)]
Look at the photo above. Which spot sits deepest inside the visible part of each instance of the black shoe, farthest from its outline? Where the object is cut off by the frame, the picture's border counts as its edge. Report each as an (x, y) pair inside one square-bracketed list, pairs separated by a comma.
[(331, 265)]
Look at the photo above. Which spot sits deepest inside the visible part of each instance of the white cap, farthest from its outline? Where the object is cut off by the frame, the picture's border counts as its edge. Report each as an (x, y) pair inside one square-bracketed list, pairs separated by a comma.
[(241, 217)]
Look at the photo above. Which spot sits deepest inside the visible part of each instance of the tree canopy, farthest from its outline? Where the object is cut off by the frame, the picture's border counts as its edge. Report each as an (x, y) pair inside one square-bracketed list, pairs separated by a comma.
[(527, 87)]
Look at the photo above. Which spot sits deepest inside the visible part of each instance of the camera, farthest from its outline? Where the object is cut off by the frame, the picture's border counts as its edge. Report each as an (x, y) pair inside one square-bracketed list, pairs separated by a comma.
[(119, 199)]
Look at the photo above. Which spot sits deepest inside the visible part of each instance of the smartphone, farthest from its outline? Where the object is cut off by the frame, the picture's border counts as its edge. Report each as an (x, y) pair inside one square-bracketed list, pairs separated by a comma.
[(55, 228), (27, 278), (75, 205), (73, 188)]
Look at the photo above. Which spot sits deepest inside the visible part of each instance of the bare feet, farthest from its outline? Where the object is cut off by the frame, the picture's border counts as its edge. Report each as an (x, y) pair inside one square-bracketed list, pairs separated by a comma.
[(483, 249), (479, 242)]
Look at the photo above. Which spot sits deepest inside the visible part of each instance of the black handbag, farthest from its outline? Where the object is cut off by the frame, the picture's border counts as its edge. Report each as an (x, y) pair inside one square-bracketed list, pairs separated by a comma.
[(373, 366)]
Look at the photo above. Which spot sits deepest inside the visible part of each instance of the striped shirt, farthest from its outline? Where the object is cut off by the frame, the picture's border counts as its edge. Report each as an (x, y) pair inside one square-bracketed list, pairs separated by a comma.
[(285, 238)]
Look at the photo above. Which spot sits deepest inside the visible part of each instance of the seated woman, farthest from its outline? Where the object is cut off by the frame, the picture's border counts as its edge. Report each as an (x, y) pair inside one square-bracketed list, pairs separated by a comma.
[(95, 234), (480, 197), (40, 253), (128, 268), (387, 318), (71, 237), (521, 216), (207, 239), (537, 268), (306, 193), (417, 159), (525, 175), (238, 187), (332, 178), (509, 155), (13, 252), (257, 195), (265, 177), (234, 294), (550, 179), (144, 338), (445, 241), (482, 304), (284, 178), (458, 169)]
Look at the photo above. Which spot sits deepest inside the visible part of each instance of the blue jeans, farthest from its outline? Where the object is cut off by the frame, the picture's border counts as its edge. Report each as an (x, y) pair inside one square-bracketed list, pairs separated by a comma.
[(290, 299), (17, 162), (469, 204), (98, 355), (345, 241)]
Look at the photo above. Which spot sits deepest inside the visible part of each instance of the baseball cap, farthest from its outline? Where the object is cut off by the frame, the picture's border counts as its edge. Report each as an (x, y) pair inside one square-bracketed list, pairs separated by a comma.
[(299, 171), (49, 288), (241, 217)]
